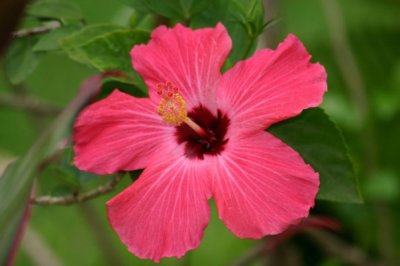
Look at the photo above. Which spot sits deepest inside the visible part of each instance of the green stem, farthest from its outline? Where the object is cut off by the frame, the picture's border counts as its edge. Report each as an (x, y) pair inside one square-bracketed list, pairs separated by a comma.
[(248, 48)]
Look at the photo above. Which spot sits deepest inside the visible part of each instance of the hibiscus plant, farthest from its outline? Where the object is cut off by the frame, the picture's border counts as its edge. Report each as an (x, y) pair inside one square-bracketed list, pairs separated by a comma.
[(192, 120)]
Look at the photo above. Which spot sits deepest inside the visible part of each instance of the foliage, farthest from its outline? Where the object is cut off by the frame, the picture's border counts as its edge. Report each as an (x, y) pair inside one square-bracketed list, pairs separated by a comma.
[(89, 38), (18, 177), (320, 143)]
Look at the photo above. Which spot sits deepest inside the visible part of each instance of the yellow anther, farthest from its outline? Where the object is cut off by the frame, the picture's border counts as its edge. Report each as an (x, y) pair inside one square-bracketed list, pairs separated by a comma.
[(172, 106)]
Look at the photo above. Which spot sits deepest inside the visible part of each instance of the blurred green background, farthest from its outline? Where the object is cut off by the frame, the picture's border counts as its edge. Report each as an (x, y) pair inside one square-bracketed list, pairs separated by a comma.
[(357, 41)]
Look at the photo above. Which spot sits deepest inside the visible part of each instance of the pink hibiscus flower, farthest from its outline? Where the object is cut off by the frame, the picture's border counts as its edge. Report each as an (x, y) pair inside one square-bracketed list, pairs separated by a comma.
[(201, 134)]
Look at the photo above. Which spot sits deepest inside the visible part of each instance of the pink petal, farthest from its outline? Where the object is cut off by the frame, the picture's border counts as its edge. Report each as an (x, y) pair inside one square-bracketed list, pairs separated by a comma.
[(271, 86), (261, 186), (190, 59), (120, 132), (164, 213)]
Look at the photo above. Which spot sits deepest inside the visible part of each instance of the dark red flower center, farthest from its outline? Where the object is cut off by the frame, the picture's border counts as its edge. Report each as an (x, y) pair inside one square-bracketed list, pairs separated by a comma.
[(213, 142)]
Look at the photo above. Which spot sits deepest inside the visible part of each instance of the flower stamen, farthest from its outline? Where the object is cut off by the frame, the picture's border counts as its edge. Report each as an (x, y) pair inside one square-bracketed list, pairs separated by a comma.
[(172, 107)]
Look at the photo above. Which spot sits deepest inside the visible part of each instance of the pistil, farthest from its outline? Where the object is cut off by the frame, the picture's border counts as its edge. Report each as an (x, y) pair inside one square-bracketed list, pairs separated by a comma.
[(196, 128)]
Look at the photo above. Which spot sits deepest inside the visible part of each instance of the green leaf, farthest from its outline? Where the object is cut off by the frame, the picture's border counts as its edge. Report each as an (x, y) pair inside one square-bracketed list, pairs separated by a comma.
[(110, 83), (21, 60), (135, 174), (73, 175), (250, 13), (244, 20), (16, 182), (105, 47), (181, 10), (63, 177), (50, 41), (319, 142), (55, 9), (74, 45)]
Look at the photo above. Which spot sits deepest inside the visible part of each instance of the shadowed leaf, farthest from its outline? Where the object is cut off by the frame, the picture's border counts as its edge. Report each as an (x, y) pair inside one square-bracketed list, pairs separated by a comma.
[(106, 47), (319, 142), (21, 60), (55, 9)]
